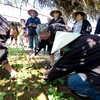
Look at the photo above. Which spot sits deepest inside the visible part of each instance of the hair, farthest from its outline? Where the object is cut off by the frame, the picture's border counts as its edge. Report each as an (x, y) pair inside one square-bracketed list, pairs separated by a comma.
[(16, 26), (81, 13), (42, 29)]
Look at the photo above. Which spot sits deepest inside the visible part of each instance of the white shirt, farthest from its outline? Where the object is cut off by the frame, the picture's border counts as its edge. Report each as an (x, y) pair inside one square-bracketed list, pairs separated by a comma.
[(77, 27)]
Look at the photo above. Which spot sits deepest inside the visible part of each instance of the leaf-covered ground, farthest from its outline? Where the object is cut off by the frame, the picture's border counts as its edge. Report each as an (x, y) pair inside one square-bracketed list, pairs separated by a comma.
[(29, 85)]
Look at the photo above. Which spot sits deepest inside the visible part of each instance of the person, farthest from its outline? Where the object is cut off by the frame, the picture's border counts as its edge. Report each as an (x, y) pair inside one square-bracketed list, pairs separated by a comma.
[(81, 25), (82, 59), (23, 33), (31, 24), (47, 34), (56, 14), (5, 33), (57, 18), (15, 41), (97, 30), (48, 20)]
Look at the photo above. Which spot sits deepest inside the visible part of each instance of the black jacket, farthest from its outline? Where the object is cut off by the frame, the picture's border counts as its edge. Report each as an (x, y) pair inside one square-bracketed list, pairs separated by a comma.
[(59, 20), (86, 27), (97, 30)]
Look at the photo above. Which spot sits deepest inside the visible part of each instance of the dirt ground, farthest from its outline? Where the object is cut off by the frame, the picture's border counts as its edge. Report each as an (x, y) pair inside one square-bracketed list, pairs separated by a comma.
[(29, 85)]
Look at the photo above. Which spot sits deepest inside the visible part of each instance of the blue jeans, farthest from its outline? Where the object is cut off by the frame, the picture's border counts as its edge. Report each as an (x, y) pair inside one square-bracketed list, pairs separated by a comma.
[(83, 87), (33, 39)]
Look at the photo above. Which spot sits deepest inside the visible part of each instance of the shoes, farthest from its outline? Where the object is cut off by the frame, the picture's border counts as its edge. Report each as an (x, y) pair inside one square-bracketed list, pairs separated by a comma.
[(82, 95), (47, 66)]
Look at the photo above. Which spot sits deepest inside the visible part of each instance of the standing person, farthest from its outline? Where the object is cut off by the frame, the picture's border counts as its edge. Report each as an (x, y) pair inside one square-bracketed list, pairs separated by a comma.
[(47, 34), (56, 14), (97, 30), (31, 24), (81, 55), (15, 41), (23, 32), (5, 33), (81, 25)]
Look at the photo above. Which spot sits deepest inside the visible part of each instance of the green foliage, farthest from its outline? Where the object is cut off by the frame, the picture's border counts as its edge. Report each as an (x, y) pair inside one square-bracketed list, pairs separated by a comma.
[(59, 81), (38, 75), (26, 85), (54, 95), (70, 98), (39, 84), (23, 83), (15, 94), (2, 96), (36, 66), (34, 99), (19, 66)]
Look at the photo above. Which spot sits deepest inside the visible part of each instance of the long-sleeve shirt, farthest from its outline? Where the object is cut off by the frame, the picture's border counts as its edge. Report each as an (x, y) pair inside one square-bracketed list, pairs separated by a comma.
[(58, 20), (4, 35), (53, 29), (85, 27), (31, 29), (97, 30)]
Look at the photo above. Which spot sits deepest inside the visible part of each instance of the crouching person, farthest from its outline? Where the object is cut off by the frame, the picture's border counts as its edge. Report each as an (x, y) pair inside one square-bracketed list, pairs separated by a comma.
[(47, 34), (5, 33), (82, 56)]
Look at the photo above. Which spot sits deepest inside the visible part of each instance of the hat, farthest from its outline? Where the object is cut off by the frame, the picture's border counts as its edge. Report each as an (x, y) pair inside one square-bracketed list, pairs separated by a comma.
[(79, 12), (62, 39), (29, 12), (52, 13)]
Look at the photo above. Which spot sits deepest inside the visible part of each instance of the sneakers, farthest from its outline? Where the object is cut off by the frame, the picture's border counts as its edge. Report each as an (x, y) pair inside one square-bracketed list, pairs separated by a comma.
[(82, 95), (47, 66)]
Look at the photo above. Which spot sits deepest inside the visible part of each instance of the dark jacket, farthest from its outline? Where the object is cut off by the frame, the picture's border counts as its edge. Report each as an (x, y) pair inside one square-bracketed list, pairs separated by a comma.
[(83, 57), (59, 20), (4, 35), (97, 30), (31, 29), (53, 29), (86, 27)]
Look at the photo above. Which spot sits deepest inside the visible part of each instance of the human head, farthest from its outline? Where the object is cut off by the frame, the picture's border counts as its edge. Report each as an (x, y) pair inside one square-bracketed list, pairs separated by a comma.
[(55, 13), (32, 12), (14, 28), (79, 15), (22, 21), (43, 31)]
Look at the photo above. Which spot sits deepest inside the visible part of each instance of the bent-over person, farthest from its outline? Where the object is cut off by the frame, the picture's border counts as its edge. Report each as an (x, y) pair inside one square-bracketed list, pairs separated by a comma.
[(82, 56)]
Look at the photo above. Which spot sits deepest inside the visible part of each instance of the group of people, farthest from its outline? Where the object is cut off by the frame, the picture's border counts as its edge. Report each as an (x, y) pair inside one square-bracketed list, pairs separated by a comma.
[(80, 50), (81, 54)]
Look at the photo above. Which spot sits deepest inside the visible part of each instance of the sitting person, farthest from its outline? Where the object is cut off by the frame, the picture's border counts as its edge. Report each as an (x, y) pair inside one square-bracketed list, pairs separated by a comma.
[(5, 33), (82, 56), (47, 34)]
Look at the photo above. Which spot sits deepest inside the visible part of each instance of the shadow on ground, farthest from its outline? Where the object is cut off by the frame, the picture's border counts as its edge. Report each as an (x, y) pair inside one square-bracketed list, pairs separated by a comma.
[(28, 86)]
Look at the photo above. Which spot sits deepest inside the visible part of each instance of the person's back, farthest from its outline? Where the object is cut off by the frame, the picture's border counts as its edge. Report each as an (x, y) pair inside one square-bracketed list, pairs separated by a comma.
[(5, 32), (97, 30)]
